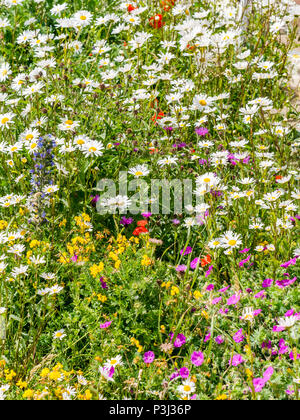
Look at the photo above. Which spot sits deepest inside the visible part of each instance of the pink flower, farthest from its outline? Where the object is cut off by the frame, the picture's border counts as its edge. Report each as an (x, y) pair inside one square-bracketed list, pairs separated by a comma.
[(236, 360), (219, 339), (276, 328), (197, 358), (149, 357), (223, 290), (179, 341), (208, 272), (267, 283), (106, 324), (258, 384), (233, 300), (238, 336), (194, 263), (268, 373), (216, 300), (184, 372), (261, 294)]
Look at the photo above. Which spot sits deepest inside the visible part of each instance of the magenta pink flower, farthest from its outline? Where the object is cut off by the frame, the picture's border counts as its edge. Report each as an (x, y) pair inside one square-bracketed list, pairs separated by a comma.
[(197, 358), (216, 300), (219, 339), (149, 357), (236, 360), (184, 372), (180, 340), (106, 324), (268, 373), (233, 300), (194, 263), (238, 336), (258, 384)]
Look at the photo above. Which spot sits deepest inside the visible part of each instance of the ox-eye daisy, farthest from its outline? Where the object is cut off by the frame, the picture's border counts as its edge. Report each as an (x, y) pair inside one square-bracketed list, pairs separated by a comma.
[(139, 170)]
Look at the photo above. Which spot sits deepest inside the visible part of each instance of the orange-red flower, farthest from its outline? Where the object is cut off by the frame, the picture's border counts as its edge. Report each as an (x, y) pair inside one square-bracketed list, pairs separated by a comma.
[(158, 116), (156, 21), (206, 260), (130, 8), (142, 223), (141, 229)]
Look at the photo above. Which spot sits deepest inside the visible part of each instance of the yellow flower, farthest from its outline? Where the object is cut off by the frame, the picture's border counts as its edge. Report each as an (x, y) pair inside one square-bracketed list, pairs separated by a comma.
[(96, 269), (10, 374), (205, 314), (174, 291), (113, 256), (197, 294), (146, 261), (44, 372), (34, 243), (63, 223), (22, 384), (54, 375), (102, 298), (3, 224), (248, 373), (87, 395), (28, 393), (222, 397)]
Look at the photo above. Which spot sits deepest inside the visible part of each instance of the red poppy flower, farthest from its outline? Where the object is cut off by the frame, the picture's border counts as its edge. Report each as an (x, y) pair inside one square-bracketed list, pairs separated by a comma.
[(141, 229), (206, 260), (142, 223), (158, 116), (278, 177), (156, 21), (130, 8), (190, 47)]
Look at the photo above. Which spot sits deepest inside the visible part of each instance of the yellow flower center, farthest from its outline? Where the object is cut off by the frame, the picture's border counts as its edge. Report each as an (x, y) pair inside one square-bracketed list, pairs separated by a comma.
[(202, 102), (232, 242), (4, 120), (92, 149), (187, 388), (69, 122), (29, 137)]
